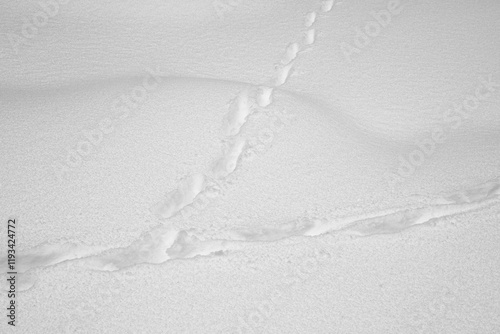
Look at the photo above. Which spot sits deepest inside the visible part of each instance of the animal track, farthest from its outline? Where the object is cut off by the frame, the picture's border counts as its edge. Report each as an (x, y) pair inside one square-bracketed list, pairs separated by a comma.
[(282, 74), (227, 164), (310, 37), (184, 195), (161, 244), (240, 110), (264, 96), (310, 18), (327, 5), (396, 221), (291, 53)]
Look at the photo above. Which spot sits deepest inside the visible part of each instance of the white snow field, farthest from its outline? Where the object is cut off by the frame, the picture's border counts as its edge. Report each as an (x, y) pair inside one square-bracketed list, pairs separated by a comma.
[(235, 166)]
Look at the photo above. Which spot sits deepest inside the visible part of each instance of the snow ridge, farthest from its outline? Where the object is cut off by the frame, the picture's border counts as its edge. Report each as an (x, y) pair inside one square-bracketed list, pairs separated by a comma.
[(162, 243)]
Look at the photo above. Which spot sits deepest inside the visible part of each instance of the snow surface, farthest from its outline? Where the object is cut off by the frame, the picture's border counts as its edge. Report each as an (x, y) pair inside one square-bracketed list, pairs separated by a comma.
[(232, 166)]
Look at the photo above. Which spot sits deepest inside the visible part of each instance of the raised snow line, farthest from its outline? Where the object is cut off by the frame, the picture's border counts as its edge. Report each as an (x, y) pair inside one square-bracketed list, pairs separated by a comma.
[(162, 244)]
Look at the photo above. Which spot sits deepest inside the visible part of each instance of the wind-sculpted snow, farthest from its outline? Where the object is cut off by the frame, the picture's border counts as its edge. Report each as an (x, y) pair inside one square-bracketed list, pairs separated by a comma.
[(162, 243)]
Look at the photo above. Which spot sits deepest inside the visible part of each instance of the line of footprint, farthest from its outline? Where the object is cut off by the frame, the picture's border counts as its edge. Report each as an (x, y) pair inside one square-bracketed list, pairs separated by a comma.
[(191, 187), (236, 143), (162, 244)]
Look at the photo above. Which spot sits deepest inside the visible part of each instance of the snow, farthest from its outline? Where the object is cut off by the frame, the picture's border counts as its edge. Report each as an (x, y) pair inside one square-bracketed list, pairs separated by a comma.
[(252, 167)]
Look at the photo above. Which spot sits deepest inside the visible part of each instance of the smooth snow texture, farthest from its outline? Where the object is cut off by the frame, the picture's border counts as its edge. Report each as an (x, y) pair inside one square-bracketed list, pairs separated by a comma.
[(266, 166), (160, 245)]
